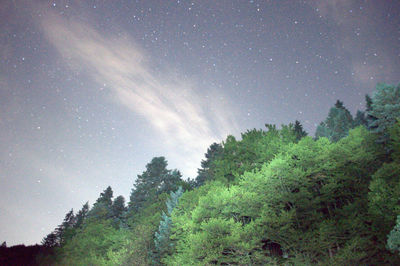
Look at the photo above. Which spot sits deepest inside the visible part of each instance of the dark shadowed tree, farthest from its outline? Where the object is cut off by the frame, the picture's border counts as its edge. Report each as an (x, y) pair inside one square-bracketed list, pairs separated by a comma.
[(360, 119), (81, 215), (206, 173), (298, 130), (102, 207), (156, 179)]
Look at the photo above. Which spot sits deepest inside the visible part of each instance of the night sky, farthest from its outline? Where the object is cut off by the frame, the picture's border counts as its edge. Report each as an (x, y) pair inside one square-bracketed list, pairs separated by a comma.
[(91, 91)]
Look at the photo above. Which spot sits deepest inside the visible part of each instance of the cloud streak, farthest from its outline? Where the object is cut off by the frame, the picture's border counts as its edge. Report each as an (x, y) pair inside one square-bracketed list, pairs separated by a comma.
[(171, 105)]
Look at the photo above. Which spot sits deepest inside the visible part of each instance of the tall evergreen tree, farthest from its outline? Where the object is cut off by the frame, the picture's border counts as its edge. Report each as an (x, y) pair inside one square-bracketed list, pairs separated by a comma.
[(337, 124), (106, 197), (81, 215), (360, 119), (156, 179), (102, 207), (206, 173), (118, 207), (162, 242), (51, 240), (298, 130), (384, 110)]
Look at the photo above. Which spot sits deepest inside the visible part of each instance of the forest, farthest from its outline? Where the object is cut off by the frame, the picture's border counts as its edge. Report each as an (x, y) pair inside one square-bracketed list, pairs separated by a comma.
[(276, 196)]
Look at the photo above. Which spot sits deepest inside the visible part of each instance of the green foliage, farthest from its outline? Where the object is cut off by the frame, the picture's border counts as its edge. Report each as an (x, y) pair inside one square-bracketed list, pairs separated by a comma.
[(393, 242), (337, 124), (384, 198), (96, 243), (308, 205), (162, 242), (384, 110), (298, 130), (81, 215), (275, 197), (250, 153), (360, 119), (155, 180), (206, 172), (394, 132)]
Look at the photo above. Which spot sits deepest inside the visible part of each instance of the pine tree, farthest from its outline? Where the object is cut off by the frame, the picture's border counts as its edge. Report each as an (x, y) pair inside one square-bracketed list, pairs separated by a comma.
[(337, 125), (118, 208), (106, 197), (156, 179), (322, 131), (118, 211), (81, 215), (360, 119), (63, 231), (161, 238), (51, 240), (102, 207), (299, 131), (368, 109), (384, 110), (205, 173)]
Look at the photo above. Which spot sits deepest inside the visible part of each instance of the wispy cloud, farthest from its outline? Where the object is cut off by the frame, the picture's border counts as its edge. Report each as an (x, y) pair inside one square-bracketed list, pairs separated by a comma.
[(172, 106)]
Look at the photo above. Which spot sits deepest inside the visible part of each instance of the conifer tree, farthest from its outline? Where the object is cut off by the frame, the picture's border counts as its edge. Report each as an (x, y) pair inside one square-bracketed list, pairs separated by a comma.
[(106, 197), (81, 215), (63, 231), (383, 110), (118, 211), (360, 119), (337, 124), (156, 179), (205, 173), (118, 207), (50, 240), (298, 130), (102, 207), (162, 242)]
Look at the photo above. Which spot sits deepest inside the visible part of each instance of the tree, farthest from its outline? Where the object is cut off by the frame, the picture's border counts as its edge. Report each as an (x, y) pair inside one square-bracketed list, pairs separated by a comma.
[(51, 240), (156, 179), (206, 172), (118, 207), (118, 211), (395, 140), (298, 130), (97, 243), (81, 215), (102, 207), (360, 119), (106, 197), (64, 231), (393, 242), (384, 110), (337, 124), (162, 242)]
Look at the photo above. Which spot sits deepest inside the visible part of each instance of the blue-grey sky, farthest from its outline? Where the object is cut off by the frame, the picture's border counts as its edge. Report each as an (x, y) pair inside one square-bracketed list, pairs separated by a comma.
[(91, 91)]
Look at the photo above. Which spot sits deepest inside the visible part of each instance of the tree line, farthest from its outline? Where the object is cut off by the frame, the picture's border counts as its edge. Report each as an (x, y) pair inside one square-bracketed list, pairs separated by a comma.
[(275, 196)]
